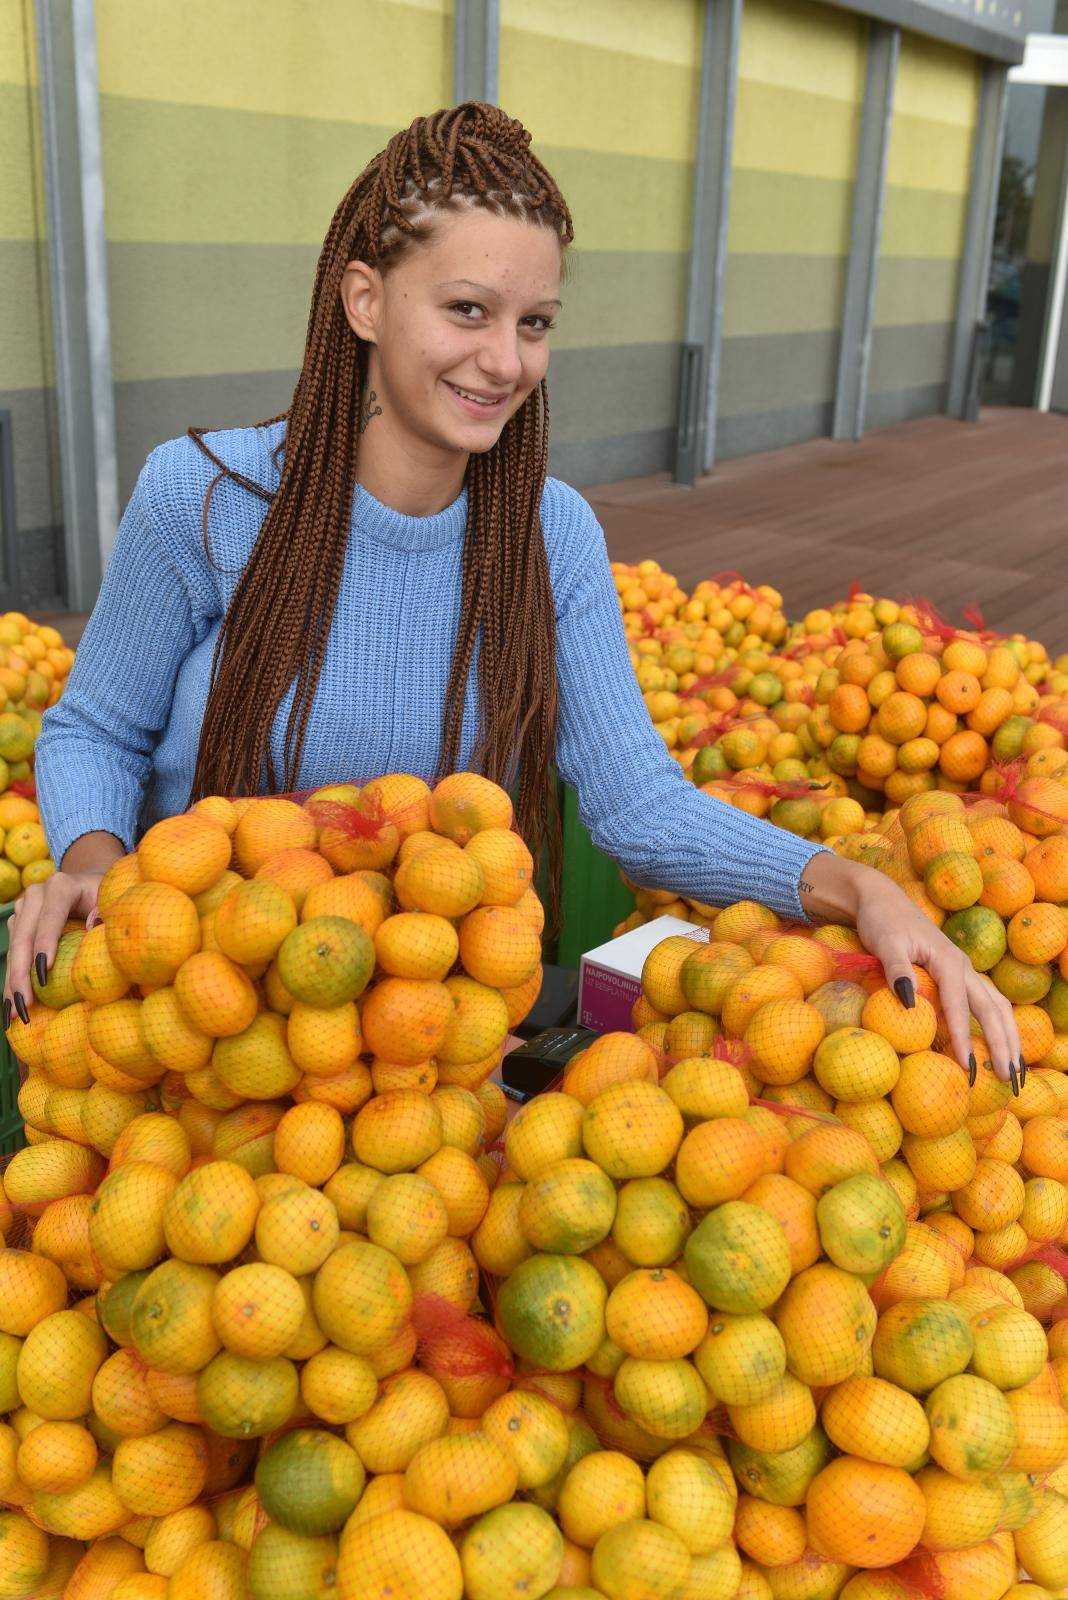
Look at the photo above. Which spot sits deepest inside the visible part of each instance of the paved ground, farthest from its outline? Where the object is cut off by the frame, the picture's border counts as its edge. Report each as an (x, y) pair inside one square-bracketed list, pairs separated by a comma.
[(961, 513)]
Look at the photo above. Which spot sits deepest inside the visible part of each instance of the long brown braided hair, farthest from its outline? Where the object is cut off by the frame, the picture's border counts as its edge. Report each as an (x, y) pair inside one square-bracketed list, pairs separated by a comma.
[(276, 626)]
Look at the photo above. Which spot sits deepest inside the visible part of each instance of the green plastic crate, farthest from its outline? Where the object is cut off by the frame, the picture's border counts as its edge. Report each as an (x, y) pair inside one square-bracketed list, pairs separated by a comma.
[(12, 1137), (593, 895)]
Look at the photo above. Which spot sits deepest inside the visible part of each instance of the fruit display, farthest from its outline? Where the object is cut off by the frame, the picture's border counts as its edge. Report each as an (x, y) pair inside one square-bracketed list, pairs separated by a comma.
[(762, 1303), (34, 664), (858, 709), (861, 1111)]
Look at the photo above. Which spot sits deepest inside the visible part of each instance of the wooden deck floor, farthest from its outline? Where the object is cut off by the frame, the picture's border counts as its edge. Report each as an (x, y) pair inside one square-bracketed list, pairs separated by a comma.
[(960, 513)]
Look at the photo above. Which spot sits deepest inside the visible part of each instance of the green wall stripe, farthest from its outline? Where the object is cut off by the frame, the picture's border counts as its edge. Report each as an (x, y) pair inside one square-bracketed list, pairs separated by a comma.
[(923, 222), (769, 373), (624, 202), (914, 289), (25, 326), (778, 213), (597, 98), (929, 154), (782, 294), (612, 298), (181, 309), (249, 178), (780, 129), (200, 173), (910, 357)]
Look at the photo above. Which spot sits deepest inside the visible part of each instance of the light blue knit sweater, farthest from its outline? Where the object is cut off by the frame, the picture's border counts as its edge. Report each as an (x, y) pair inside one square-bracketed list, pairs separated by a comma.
[(118, 750)]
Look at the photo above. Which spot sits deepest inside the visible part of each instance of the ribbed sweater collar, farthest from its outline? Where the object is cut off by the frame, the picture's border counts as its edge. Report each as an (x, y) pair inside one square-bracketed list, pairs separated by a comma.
[(400, 532)]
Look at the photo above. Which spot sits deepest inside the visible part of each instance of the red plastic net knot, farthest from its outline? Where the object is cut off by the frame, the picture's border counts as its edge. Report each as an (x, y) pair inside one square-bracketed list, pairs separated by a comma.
[(791, 1111), (1009, 777), (1050, 1255), (930, 620), (648, 621), (726, 580), (455, 1344), (718, 1423), (350, 821), (714, 680), (855, 964), (921, 1573), (734, 1051), (25, 788), (973, 616), (854, 590)]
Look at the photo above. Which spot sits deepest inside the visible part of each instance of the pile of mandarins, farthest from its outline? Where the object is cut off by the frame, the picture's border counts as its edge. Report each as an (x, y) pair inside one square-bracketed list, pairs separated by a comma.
[(288, 1310)]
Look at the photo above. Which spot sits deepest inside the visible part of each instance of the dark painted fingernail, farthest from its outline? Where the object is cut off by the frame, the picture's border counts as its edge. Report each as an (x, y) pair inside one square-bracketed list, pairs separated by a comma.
[(905, 990), (7, 1013), (972, 1068), (20, 1007), (1014, 1080), (40, 966), (1023, 1072)]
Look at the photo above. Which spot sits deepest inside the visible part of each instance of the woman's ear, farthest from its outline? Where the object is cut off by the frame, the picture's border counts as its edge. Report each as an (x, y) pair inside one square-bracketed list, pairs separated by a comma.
[(361, 299)]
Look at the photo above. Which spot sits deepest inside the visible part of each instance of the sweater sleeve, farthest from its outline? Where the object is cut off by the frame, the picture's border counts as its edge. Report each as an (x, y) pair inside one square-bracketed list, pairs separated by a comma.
[(634, 798), (94, 754)]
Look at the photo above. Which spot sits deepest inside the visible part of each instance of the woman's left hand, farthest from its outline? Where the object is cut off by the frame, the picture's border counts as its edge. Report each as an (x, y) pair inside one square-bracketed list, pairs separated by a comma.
[(897, 931)]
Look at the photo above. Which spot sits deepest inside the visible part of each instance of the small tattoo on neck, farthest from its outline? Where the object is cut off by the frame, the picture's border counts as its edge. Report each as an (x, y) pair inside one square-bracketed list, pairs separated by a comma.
[(368, 409), (805, 887)]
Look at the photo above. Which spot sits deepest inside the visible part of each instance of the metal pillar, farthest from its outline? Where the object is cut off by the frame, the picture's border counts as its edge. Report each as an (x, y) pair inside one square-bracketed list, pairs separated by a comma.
[(74, 192), (695, 448), (476, 51), (869, 196), (962, 401), (1051, 331)]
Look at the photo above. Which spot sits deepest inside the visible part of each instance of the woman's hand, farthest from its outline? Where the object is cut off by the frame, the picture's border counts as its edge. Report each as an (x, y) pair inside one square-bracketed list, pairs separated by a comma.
[(896, 931), (42, 911)]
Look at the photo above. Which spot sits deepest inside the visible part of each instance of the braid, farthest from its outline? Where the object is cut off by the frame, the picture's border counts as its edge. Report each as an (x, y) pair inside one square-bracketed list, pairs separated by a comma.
[(275, 631)]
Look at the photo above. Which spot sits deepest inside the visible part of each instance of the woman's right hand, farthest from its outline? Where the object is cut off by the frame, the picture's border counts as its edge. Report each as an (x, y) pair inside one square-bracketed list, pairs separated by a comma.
[(43, 910), (39, 917)]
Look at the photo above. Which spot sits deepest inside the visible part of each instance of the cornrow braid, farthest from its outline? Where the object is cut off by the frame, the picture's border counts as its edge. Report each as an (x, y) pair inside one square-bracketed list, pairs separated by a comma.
[(275, 631)]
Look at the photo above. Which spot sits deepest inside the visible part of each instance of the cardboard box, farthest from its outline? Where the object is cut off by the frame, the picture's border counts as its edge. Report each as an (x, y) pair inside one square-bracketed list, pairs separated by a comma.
[(610, 977)]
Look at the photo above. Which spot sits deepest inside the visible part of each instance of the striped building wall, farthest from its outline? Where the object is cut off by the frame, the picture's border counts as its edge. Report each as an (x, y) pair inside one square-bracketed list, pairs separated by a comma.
[(801, 72), (27, 393), (936, 103), (229, 135), (610, 91)]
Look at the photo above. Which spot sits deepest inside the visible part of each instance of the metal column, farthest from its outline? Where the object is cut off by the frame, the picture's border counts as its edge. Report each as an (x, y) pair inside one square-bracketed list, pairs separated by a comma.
[(962, 401), (869, 195), (74, 189), (695, 449), (1055, 300), (476, 51)]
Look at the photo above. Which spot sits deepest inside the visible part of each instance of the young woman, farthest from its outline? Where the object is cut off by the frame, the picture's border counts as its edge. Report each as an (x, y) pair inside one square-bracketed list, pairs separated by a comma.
[(383, 579)]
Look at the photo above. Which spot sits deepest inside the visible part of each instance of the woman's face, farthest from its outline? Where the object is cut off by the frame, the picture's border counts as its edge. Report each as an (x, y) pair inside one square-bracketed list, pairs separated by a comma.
[(458, 328)]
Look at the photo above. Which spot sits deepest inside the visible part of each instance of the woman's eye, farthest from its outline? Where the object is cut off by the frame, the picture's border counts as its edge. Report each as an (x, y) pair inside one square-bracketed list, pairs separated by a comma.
[(540, 324), (463, 307)]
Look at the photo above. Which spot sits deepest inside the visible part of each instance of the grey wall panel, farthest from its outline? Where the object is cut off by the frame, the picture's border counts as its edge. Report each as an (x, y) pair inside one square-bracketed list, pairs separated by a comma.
[(902, 405), (911, 357)]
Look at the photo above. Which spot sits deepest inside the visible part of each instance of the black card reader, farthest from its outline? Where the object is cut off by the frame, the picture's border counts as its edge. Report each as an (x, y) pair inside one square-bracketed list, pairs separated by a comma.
[(534, 1066)]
